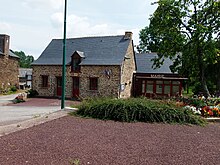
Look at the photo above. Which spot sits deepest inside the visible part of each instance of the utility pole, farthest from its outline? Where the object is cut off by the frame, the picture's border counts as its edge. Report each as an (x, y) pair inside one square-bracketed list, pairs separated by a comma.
[(64, 60)]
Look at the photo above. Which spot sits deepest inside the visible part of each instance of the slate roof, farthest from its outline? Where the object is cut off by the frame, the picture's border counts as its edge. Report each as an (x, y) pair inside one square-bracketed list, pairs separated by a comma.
[(11, 53), (144, 64), (105, 50)]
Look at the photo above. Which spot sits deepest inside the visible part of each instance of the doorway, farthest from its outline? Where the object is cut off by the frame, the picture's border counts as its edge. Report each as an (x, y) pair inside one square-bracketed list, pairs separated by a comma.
[(75, 87), (59, 86)]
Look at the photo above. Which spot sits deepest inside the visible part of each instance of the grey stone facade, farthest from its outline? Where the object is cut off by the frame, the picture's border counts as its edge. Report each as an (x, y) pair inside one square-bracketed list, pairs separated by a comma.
[(8, 65), (114, 80), (108, 84), (127, 69)]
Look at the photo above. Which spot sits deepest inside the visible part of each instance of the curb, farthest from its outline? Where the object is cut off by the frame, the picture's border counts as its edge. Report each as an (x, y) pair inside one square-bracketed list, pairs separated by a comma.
[(70, 109), (212, 119)]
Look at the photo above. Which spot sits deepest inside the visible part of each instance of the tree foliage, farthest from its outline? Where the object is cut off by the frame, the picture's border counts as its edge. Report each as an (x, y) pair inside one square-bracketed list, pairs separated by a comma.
[(191, 27), (25, 60)]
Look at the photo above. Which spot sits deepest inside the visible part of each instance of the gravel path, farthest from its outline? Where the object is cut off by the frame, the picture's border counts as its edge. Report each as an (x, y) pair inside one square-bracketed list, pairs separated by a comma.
[(67, 139)]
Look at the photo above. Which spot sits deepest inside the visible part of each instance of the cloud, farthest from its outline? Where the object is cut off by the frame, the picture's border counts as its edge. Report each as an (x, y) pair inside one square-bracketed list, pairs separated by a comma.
[(82, 27), (78, 26), (57, 20), (43, 4), (5, 27)]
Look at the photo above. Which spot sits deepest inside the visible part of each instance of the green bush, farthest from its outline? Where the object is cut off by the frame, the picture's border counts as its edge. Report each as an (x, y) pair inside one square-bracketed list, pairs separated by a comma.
[(32, 93), (137, 109), (13, 88)]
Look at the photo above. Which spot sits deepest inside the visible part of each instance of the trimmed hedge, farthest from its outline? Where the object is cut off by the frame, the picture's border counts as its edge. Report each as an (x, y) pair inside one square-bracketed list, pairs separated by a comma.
[(137, 109)]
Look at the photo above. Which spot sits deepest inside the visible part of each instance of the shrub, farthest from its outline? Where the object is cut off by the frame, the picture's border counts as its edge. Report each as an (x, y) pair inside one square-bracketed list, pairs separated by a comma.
[(32, 93), (13, 88), (16, 100), (137, 109)]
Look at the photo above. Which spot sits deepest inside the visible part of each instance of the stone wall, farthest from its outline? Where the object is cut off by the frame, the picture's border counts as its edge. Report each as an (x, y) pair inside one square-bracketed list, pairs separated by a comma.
[(108, 81), (127, 69), (108, 85), (52, 72), (8, 72)]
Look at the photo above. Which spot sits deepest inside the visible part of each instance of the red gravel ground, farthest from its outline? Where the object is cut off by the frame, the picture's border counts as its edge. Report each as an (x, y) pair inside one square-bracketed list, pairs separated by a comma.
[(97, 142)]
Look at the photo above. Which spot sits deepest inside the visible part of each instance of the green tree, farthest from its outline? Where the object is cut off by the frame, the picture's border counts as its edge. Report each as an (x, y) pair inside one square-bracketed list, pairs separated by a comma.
[(25, 60), (187, 26), (213, 70)]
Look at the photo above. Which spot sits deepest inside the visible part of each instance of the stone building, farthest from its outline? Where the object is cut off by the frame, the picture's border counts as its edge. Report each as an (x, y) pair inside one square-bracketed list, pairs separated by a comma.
[(95, 66), (9, 64), (25, 78)]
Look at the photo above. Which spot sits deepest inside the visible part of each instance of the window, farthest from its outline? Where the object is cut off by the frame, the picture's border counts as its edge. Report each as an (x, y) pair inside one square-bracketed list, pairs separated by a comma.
[(150, 88), (147, 86), (159, 89), (44, 81), (167, 89), (93, 83), (75, 64), (29, 77), (175, 88)]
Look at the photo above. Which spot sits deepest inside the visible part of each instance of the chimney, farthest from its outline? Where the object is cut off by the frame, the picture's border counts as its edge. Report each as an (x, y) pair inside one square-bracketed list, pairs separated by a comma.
[(4, 44), (128, 35)]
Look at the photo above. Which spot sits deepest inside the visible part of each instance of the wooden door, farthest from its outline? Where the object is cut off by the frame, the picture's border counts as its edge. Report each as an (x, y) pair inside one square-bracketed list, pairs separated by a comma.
[(59, 86), (75, 87)]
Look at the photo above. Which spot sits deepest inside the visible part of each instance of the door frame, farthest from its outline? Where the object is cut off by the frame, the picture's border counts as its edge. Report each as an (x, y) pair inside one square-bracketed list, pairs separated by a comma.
[(75, 91), (58, 87)]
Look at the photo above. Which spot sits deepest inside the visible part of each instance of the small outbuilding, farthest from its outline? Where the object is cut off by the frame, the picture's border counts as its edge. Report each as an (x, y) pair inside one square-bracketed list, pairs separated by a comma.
[(25, 78), (160, 82)]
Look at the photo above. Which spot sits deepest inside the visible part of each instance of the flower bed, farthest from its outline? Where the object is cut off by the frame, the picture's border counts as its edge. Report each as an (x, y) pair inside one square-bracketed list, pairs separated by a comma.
[(205, 107), (209, 111)]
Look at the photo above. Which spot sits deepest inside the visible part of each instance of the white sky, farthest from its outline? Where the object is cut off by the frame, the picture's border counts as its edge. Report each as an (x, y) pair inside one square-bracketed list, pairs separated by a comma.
[(32, 24)]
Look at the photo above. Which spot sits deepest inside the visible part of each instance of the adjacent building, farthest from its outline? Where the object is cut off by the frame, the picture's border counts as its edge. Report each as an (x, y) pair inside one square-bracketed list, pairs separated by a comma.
[(160, 82), (95, 66), (25, 78), (9, 64)]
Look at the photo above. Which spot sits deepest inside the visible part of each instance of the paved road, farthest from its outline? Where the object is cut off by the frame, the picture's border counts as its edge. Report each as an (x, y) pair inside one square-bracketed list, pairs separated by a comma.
[(12, 113), (5, 99)]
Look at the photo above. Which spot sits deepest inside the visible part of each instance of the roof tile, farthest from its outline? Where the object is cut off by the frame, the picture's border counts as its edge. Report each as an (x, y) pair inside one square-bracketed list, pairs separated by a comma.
[(105, 50)]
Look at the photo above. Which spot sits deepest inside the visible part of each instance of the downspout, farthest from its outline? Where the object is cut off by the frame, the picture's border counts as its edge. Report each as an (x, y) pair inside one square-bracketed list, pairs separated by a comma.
[(134, 72), (121, 69)]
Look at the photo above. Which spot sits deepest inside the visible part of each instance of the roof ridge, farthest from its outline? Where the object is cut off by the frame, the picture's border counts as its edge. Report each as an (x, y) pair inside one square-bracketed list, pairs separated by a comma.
[(89, 37)]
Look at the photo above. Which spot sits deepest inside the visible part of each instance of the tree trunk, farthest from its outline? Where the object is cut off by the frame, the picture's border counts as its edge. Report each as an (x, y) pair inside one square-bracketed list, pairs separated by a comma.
[(218, 77), (204, 86), (202, 74), (218, 83)]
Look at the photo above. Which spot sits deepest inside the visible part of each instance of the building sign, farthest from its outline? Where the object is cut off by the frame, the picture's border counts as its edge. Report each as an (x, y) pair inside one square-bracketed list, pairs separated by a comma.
[(156, 75)]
